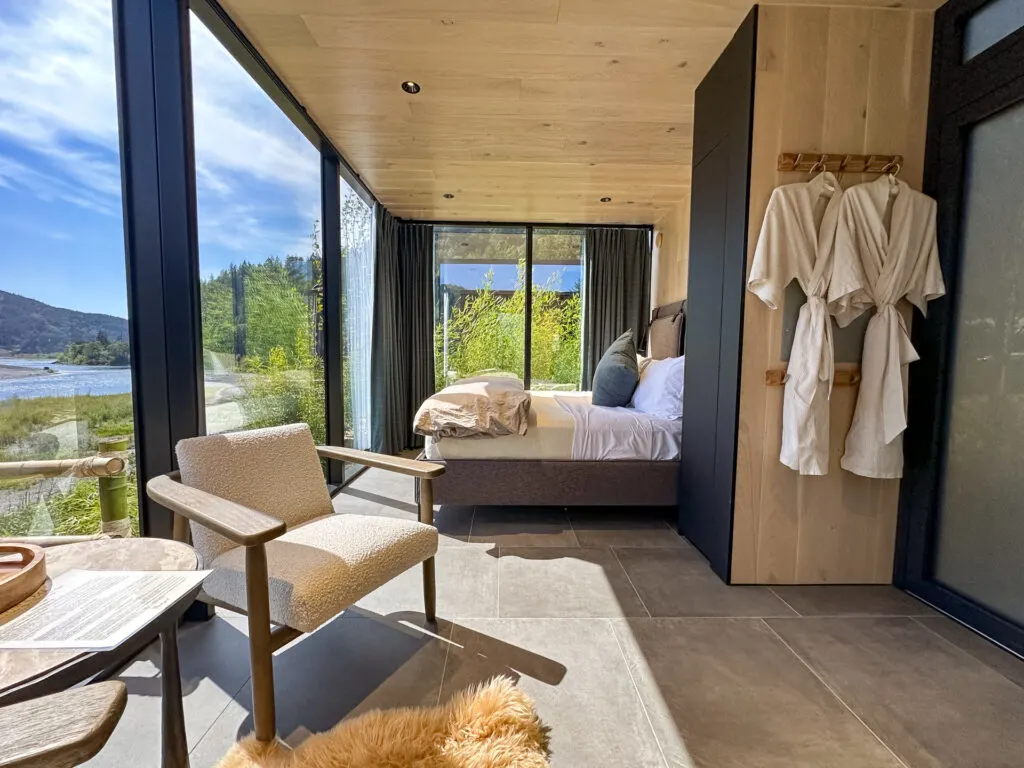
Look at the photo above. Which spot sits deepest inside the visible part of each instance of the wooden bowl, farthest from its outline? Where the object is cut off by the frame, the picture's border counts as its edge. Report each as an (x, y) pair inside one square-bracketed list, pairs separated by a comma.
[(22, 572)]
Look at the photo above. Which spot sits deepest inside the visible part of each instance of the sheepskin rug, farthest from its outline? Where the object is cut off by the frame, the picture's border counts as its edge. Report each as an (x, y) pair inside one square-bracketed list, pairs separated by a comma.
[(491, 726)]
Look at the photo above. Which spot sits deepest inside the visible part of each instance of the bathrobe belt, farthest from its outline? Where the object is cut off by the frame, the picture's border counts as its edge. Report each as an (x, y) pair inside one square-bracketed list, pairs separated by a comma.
[(899, 352), (817, 359)]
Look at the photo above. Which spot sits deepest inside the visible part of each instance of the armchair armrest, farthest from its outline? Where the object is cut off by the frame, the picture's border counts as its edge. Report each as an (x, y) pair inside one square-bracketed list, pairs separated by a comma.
[(242, 525), (422, 469)]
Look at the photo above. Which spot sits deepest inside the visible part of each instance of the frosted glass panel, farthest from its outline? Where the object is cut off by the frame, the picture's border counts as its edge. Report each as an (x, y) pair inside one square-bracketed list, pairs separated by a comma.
[(993, 22), (980, 545)]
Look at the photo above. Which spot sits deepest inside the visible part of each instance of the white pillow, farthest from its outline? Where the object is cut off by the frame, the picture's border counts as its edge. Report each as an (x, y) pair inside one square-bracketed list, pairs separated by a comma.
[(660, 390)]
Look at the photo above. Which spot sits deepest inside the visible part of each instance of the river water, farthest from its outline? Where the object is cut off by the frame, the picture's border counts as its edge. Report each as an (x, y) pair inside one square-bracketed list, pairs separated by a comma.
[(69, 380)]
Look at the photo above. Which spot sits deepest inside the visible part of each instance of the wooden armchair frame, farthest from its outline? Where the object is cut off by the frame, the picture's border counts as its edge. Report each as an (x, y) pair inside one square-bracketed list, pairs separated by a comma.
[(251, 529)]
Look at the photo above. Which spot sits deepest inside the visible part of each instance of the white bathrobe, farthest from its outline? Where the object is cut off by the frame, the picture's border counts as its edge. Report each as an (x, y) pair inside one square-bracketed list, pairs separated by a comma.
[(877, 263), (796, 242)]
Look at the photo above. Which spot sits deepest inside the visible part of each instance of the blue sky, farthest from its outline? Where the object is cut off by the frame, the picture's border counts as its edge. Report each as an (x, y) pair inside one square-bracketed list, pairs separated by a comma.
[(61, 230), (562, 277)]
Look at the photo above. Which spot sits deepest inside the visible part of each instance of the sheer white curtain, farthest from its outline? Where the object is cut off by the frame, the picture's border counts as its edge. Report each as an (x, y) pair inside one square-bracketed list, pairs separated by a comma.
[(357, 270)]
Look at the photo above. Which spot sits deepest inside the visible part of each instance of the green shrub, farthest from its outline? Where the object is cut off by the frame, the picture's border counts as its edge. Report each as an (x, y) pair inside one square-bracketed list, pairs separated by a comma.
[(105, 415), (277, 392), (486, 332)]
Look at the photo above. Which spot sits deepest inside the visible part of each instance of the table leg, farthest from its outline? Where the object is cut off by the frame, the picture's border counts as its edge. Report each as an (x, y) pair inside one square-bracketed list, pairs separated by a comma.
[(173, 740)]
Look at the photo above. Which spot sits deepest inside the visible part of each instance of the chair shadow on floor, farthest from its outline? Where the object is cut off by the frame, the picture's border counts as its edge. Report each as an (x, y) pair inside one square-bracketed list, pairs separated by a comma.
[(355, 663)]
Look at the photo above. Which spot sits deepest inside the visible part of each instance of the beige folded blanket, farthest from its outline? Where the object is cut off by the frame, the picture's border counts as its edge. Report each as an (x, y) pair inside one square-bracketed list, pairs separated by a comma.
[(483, 406)]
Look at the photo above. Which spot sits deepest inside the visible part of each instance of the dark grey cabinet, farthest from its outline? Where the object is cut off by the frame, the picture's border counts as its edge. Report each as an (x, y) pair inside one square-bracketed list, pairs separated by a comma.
[(723, 117)]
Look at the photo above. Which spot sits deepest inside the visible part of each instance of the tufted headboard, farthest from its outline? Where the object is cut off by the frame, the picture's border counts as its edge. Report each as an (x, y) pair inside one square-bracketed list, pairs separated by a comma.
[(667, 332)]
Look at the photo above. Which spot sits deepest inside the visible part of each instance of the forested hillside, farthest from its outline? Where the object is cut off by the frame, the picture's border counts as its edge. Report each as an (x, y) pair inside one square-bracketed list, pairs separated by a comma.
[(29, 327)]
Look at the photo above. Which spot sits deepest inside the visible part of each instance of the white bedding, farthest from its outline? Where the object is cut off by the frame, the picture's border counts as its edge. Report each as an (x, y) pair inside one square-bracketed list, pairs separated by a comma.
[(610, 434), (566, 426), (548, 435)]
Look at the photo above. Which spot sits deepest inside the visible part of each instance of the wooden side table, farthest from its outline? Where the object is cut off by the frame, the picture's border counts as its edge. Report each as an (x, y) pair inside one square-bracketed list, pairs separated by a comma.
[(26, 675)]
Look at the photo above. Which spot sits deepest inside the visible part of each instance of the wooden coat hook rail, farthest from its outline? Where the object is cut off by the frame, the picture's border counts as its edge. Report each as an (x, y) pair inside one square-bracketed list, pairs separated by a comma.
[(775, 377), (805, 162)]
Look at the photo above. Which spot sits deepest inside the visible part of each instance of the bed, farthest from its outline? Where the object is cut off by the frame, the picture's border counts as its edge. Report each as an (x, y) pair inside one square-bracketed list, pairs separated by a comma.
[(625, 458)]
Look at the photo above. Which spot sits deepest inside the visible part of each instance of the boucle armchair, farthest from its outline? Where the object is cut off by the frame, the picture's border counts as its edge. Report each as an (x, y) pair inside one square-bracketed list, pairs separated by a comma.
[(260, 517)]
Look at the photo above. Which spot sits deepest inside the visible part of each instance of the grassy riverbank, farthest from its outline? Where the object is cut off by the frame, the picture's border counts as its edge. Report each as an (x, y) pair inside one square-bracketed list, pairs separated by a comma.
[(105, 415), (75, 511), (34, 507)]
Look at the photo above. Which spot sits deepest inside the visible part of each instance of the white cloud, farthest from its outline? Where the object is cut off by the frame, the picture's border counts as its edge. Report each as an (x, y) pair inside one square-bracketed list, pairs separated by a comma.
[(58, 101), (48, 187)]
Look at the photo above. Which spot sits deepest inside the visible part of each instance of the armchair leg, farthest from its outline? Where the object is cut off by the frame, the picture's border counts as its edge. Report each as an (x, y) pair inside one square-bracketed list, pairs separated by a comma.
[(261, 659), (427, 517), (429, 591)]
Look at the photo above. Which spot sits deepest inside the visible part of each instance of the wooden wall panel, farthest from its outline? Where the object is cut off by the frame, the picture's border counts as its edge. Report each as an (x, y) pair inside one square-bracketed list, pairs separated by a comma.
[(840, 79), (672, 256)]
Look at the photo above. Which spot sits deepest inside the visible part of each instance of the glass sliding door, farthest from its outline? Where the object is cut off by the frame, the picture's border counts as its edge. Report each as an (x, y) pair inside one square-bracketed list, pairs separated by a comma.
[(556, 309), (962, 531), (980, 541), (357, 283), (479, 301), (258, 189), (65, 381)]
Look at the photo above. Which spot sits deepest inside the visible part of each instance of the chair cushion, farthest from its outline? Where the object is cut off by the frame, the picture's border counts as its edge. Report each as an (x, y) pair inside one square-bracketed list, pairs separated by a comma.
[(617, 373), (275, 471), (322, 567)]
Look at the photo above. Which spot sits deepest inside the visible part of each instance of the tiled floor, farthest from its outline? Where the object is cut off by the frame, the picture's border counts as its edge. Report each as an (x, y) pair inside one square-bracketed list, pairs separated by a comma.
[(635, 653)]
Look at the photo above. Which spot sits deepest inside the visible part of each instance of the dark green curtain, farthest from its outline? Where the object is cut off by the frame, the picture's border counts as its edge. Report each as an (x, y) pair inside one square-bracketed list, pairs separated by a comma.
[(402, 358), (617, 290), (416, 310)]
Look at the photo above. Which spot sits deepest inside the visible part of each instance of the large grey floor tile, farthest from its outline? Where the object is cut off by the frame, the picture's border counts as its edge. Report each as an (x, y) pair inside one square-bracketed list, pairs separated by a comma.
[(623, 527), (678, 582), (1002, 661), (933, 704), (390, 499), (467, 585), (523, 527), (354, 664), (388, 487), (454, 524), (214, 666), (852, 600), (575, 673), (727, 692), (554, 582), (358, 502)]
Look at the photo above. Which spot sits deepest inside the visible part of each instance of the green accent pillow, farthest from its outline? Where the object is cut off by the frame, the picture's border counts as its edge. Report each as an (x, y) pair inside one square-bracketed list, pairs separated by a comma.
[(617, 373)]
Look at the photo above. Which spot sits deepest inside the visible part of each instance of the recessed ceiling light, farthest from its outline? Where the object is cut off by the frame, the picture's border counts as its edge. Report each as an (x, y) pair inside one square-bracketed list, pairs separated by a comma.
[(411, 86), (606, 199), (447, 195)]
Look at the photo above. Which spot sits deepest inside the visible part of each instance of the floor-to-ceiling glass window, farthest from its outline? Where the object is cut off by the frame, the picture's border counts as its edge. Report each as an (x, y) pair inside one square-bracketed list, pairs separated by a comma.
[(479, 301), (556, 310), (65, 384), (258, 190), (357, 272)]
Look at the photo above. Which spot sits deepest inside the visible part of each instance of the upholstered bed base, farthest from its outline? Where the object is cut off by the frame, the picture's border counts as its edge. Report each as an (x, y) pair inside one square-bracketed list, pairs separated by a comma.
[(498, 482)]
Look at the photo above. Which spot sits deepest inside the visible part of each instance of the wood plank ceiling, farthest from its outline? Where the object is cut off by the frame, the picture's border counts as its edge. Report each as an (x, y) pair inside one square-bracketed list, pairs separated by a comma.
[(530, 110)]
